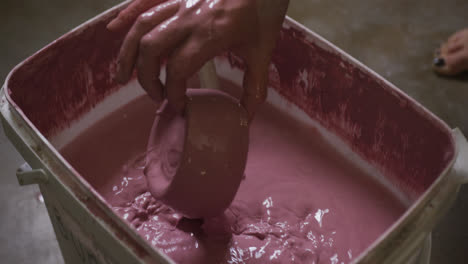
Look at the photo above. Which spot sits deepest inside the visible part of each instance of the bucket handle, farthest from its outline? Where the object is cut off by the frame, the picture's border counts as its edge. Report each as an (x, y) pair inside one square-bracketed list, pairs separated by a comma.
[(460, 168), (26, 175)]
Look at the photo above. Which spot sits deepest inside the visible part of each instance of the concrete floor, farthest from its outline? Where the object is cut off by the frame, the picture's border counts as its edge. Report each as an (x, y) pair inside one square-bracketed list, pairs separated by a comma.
[(394, 38)]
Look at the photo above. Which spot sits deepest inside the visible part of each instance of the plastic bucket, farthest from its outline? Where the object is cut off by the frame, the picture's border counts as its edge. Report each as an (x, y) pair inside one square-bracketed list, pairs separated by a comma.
[(57, 93)]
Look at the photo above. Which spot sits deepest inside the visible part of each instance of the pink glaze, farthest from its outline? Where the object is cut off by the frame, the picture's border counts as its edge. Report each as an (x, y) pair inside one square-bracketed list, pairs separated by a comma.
[(301, 202)]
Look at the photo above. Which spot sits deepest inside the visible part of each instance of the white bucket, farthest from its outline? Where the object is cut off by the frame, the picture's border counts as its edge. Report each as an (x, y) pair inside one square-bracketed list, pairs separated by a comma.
[(89, 232)]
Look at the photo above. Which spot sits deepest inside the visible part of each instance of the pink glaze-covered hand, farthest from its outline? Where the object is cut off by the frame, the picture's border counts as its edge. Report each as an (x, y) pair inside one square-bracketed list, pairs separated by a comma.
[(188, 33)]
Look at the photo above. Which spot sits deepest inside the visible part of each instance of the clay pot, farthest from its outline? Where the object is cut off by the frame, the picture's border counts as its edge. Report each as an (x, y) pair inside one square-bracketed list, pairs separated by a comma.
[(201, 170)]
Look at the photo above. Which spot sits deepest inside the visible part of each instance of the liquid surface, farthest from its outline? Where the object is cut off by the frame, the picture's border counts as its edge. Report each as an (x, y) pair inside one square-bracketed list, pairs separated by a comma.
[(300, 201)]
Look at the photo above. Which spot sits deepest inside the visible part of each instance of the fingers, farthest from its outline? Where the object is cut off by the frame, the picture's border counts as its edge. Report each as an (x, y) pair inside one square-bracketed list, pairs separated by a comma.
[(255, 86), (153, 46), (144, 23), (126, 17), (186, 61)]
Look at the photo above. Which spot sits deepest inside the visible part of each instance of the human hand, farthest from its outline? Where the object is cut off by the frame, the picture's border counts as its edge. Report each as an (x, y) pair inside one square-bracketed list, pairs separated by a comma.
[(453, 54), (189, 33)]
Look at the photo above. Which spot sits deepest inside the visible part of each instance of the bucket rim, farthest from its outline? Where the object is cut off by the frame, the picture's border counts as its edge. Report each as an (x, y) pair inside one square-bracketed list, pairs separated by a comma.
[(377, 251)]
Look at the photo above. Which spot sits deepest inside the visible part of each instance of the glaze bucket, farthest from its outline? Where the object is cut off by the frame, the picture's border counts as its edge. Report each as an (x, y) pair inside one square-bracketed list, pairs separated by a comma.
[(57, 93)]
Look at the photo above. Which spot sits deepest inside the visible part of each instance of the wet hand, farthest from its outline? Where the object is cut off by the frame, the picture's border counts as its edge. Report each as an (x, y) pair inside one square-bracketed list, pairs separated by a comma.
[(188, 33)]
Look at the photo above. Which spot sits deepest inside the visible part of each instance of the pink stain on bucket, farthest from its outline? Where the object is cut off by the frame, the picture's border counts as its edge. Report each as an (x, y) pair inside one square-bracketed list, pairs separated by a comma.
[(300, 201), (409, 146)]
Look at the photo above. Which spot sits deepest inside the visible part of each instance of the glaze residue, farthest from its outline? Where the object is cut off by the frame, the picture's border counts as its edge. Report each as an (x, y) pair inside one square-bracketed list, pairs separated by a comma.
[(300, 201)]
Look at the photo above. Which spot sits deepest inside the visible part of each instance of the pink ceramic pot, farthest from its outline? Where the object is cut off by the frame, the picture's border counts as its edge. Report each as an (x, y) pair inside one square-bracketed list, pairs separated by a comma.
[(198, 171)]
